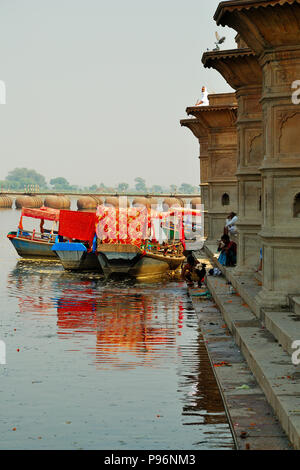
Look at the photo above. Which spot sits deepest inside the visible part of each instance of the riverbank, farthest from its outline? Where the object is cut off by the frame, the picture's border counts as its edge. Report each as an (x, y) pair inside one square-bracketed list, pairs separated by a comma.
[(254, 424)]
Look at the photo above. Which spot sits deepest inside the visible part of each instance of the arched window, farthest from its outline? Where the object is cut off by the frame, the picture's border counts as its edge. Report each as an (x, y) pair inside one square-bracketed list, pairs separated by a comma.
[(297, 206), (225, 200), (259, 204)]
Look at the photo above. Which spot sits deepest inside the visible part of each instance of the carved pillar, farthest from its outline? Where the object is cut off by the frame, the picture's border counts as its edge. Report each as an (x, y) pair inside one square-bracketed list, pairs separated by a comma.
[(271, 29), (201, 133), (219, 121), (242, 71)]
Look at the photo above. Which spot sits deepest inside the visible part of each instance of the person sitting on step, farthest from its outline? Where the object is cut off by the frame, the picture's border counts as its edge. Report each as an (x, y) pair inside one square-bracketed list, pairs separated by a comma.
[(228, 250)]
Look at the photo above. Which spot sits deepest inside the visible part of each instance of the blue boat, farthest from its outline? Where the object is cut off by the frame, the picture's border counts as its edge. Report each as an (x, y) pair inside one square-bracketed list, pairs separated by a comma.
[(34, 244), (28, 247), (75, 257)]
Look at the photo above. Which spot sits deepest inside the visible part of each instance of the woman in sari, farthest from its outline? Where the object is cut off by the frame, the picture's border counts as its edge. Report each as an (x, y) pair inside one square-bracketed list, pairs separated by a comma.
[(228, 251)]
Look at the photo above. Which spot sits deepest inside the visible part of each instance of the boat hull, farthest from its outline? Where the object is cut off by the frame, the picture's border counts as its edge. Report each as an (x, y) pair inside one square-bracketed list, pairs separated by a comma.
[(27, 248), (132, 262), (118, 263), (74, 257)]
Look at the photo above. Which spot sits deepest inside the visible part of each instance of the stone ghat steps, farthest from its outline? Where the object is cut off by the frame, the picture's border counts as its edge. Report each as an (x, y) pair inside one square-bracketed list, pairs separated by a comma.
[(245, 402), (295, 304), (284, 325), (265, 339), (269, 363)]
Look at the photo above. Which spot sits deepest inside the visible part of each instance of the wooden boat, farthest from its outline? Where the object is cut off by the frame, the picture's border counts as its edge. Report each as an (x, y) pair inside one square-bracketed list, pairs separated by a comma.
[(75, 257), (152, 261), (192, 224), (102, 248), (33, 244), (77, 253)]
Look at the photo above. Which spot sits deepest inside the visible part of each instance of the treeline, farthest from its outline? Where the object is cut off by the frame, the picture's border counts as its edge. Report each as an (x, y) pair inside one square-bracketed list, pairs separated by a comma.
[(24, 179)]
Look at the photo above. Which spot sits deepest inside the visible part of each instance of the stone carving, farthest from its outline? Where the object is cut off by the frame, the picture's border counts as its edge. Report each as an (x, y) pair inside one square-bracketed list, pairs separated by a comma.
[(223, 166), (204, 170), (285, 76), (255, 145), (289, 135)]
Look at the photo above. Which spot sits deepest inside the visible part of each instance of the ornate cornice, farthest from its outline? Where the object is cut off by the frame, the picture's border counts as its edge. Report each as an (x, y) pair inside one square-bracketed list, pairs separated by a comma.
[(239, 5), (239, 67), (196, 127), (213, 117), (262, 24)]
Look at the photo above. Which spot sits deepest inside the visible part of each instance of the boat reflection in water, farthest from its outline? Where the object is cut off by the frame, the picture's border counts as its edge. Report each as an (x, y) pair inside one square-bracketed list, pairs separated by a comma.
[(143, 327), (129, 357), (127, 330)]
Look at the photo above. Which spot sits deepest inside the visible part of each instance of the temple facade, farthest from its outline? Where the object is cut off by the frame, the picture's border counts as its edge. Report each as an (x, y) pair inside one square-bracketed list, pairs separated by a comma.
[(201, 133), (277, 50), (254, 142), (242, 71), (255, 137), (215, 127)]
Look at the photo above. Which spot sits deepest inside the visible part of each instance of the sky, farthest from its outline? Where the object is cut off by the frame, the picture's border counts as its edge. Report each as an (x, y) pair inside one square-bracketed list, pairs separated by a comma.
[(95, 90)]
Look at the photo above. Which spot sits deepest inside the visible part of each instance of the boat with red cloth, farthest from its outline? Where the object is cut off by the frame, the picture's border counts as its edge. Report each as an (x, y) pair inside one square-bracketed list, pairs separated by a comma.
[(121, 242), (36, 244), (76, 241), (127, 243), (147, 261)]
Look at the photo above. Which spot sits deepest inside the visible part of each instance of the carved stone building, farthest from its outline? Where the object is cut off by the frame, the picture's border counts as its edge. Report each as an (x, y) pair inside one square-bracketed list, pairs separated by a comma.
[(216, 130), (277, 48), (264, 71), (201, 133), (242, 71)]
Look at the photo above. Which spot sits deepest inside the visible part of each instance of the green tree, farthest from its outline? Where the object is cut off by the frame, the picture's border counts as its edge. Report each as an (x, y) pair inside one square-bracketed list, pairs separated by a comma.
[(20, 177), (156, 189), (93, 188), (102, 188), (122, 187), (60, 183), (186, 188), (140, 185)]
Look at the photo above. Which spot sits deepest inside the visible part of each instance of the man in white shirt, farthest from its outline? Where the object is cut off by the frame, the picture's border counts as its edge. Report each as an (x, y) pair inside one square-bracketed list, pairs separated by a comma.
[(230, 226)]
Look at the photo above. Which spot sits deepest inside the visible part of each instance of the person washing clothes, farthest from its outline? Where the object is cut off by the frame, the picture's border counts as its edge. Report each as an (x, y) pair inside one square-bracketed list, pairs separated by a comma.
[(193, 269)]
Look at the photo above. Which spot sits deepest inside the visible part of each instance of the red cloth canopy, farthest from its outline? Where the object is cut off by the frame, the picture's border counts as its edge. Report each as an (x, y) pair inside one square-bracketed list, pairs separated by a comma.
[(132, 225), (123, 225), (78, 225), (45, 213)]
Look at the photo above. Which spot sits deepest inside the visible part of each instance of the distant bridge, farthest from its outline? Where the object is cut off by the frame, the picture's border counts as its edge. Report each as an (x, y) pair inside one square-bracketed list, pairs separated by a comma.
[(74, 194)]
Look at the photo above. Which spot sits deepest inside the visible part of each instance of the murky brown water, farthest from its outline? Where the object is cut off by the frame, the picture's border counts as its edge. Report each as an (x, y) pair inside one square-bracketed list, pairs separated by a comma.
[(97, 365)]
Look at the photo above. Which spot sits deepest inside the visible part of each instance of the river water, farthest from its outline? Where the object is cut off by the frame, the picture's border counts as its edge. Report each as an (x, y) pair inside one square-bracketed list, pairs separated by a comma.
[(101, 365)]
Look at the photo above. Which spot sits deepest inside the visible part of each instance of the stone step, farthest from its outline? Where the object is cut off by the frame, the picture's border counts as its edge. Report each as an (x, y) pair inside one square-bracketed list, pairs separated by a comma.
[(211, 252), (269, 362), (295, 304), (247, 286), (258, 276), (245, 405), (284, 326)]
